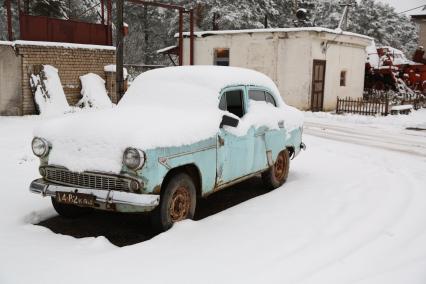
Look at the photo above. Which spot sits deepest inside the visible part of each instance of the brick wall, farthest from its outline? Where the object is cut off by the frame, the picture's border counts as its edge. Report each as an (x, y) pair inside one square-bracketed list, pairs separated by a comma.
[(71, 63)]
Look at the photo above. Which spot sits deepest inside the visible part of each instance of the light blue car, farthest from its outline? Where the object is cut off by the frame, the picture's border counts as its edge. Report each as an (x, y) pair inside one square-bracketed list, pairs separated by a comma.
[(253, 136)]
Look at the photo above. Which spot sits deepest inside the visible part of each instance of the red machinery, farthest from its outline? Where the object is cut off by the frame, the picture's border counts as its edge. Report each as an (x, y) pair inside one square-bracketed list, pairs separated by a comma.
[(390, 69)]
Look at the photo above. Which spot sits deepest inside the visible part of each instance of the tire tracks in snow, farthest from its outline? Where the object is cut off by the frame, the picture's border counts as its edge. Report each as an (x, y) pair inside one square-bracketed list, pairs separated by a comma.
[(406, 141)]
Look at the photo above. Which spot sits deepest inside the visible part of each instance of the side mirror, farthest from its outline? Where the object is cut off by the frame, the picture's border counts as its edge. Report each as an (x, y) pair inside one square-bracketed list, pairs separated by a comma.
[(229, 121)]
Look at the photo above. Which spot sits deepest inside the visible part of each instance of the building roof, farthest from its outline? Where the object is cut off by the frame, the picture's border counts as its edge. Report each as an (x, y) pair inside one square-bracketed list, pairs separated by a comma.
[(276, 30), (419, 15)]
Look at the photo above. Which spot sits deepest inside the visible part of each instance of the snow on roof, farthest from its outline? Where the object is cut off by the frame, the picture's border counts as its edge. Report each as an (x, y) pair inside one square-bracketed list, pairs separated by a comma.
[(194, 85), (419, 14), (57, 44), (2, 42), (276, 30), (113, 67), (166, 49)]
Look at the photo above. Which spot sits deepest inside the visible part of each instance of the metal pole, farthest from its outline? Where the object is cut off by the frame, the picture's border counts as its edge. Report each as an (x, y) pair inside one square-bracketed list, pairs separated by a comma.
[(180, 37), (9, 20), (119, 51), (191, 35)]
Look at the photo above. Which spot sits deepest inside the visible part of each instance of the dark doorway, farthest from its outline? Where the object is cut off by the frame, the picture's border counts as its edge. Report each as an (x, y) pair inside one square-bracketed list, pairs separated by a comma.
[(318, 78)]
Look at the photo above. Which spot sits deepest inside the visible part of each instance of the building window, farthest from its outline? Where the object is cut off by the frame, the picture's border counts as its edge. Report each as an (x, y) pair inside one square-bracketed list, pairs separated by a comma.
[(221, 56), (343, 78)]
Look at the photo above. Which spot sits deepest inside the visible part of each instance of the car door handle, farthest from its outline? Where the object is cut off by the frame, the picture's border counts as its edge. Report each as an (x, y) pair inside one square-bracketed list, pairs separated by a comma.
[(281, 124)]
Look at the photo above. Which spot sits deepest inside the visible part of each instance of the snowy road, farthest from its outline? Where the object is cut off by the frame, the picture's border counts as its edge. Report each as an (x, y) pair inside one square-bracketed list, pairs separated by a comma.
[(401, 140), (349, 213)]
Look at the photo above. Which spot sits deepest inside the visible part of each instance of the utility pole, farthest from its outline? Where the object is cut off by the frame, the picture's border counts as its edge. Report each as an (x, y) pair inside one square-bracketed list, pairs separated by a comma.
[(119, 87), (344, 20)]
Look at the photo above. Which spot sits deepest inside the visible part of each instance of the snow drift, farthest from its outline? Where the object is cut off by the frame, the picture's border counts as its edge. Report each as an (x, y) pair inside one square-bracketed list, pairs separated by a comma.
[(93, 91)]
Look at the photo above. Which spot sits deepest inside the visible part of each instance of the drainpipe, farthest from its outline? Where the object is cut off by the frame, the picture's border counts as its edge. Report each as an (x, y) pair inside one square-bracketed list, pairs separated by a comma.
[(119, 51)]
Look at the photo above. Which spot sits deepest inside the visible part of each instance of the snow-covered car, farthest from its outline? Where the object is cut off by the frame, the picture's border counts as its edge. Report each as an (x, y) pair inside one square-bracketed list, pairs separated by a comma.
[(178, 134)]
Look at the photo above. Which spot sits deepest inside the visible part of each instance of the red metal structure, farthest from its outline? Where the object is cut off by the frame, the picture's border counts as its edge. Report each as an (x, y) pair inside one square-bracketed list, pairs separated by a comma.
[(41, 28), (182, 10), (386, 76)]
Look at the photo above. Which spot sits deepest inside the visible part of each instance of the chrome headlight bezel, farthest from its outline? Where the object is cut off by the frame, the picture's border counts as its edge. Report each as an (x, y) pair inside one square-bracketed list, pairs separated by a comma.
[(40, 147), (133, 158)]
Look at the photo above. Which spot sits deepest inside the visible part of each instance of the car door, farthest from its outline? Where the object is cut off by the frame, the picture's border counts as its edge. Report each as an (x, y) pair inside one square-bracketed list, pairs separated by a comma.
[(268, 142), (234, 153)]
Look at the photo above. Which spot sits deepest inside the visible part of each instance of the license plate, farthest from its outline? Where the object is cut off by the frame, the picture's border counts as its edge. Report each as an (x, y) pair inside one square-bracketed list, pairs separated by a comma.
[(78, 199)]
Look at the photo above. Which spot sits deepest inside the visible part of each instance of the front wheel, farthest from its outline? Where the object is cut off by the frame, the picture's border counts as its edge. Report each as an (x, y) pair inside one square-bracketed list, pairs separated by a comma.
[(277, 174), (70, 211), (177, 202)]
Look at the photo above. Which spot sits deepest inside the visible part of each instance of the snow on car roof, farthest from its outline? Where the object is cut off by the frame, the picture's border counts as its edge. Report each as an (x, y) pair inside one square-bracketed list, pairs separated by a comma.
[(194, 85)]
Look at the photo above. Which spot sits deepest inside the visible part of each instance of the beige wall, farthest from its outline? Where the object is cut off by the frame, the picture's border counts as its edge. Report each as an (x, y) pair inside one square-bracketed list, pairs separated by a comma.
[(287, 59), (10, 78), (422, 32)]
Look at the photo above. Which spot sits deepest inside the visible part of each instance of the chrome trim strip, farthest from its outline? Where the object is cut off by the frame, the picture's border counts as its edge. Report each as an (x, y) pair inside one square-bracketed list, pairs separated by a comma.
[(40, 186), (164, 160)]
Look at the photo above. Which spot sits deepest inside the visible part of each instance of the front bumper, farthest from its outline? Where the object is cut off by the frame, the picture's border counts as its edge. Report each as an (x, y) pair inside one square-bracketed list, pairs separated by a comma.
[(105, 199)]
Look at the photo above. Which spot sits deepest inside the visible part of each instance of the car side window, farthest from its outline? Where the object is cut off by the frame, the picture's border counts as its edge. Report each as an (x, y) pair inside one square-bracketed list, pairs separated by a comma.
[(232, 101), (258, 95)]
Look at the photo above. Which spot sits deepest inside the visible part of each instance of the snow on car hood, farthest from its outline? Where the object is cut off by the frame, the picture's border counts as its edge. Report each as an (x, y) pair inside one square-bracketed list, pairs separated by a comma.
[(97, 140)]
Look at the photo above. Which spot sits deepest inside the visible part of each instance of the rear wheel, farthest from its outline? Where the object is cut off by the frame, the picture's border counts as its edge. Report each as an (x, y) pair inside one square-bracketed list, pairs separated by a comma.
[(277, 174), (177, 202), (70, 211)]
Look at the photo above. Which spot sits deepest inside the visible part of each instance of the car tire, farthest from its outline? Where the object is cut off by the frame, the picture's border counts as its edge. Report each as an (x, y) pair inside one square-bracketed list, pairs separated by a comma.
[(177, 202), (70, 211), (277, 174)]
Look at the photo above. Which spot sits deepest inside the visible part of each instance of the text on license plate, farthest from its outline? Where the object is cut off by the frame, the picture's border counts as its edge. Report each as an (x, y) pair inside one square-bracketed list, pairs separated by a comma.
[(75, 198)]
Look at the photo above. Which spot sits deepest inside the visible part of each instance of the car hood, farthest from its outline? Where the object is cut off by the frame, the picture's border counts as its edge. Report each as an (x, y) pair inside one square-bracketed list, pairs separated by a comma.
[(96, 140)]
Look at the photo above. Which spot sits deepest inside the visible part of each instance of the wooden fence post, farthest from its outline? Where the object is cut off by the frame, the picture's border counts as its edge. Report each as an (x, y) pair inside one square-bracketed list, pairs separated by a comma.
[(386, 104)]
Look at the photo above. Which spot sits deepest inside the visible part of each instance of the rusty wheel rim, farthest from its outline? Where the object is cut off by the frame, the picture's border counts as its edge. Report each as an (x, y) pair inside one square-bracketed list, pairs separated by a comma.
[(280, 167), (180, 204)]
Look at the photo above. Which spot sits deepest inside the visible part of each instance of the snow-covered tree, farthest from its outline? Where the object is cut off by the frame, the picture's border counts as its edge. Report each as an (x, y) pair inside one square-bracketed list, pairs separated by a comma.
[(51, 8)]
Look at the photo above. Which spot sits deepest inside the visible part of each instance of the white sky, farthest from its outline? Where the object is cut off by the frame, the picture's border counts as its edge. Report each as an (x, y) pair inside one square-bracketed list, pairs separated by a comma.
[(402, 5)]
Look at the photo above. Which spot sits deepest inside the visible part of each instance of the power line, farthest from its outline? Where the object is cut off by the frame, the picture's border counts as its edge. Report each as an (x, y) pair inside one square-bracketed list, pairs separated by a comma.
[(412, 9)]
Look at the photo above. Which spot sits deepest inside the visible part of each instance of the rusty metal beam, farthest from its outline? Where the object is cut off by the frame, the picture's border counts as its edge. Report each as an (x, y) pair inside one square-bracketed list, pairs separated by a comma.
[(191, 37), (103, 11), (180, 37), (9, 20), (109, 22)]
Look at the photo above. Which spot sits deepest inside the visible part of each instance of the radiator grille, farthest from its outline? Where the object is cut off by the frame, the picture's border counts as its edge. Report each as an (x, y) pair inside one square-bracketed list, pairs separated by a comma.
[(86, 180)]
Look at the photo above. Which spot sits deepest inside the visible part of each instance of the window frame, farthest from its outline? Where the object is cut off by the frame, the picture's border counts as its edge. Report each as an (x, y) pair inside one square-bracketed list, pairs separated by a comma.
[(345, 72), (241, 88), (221, 59), (265, 90)]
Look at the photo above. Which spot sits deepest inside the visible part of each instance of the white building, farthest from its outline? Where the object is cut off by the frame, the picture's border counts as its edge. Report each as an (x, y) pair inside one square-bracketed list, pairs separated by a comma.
[(311, 66)]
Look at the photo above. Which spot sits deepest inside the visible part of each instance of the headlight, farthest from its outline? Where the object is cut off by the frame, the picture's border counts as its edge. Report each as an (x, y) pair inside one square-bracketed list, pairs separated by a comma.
[(133, 158), (40, 147)]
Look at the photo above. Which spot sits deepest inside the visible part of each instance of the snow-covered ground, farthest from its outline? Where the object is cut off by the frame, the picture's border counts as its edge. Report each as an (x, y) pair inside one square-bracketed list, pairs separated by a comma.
[(349, 213)]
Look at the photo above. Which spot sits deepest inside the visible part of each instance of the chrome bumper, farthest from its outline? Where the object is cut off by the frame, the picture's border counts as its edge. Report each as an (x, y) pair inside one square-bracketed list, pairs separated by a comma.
[(149, 201)]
